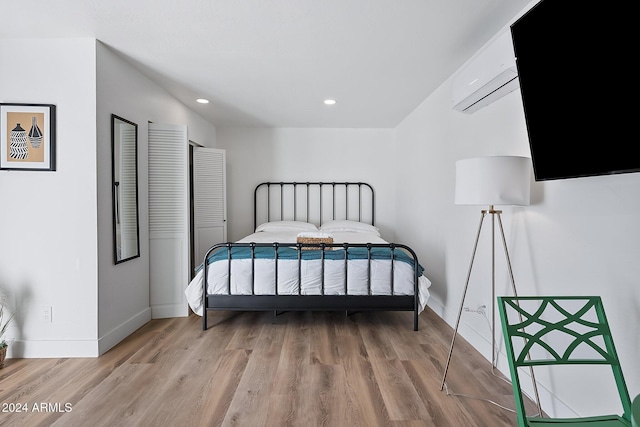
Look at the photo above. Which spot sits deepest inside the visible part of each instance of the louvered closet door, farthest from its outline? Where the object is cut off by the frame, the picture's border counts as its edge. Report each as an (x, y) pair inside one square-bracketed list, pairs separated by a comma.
[(209, 200), (168, 220)]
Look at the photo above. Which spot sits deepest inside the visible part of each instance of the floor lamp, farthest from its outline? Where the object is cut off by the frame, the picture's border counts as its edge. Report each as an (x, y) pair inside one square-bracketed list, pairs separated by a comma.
[(490, 181)]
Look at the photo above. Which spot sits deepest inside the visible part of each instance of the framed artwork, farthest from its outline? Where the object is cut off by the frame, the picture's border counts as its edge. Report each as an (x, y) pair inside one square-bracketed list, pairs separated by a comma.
[(28, 137)]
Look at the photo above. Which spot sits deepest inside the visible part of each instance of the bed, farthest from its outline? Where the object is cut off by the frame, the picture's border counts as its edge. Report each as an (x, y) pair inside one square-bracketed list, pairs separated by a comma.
[(315, 247)]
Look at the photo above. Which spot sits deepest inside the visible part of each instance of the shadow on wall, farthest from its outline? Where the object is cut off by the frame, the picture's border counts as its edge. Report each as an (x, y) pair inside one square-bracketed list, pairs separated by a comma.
[(15, 302), (537, 192), (633, 311)]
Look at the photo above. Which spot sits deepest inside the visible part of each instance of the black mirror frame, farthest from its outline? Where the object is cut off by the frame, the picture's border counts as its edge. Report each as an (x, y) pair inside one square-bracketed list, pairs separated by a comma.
[(115, 191)]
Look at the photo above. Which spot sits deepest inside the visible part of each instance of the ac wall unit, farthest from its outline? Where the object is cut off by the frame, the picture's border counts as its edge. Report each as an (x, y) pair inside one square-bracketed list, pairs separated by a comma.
[(487, 77)]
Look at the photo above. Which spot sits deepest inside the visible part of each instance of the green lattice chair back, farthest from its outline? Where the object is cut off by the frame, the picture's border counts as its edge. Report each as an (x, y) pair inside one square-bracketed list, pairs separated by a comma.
[(564, 330)]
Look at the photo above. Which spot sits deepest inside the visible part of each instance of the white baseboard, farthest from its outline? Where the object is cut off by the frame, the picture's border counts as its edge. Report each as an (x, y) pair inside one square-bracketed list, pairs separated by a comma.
[(35, 349), (52, 349), (164, 311), (113, 337)]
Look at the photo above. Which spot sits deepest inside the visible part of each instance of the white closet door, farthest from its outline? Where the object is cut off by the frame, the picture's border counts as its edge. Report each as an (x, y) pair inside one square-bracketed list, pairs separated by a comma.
[(209, 200), (168, 220)]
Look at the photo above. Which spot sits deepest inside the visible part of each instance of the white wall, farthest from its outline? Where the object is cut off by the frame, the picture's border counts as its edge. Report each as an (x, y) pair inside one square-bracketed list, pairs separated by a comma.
[(295, 154), (578, 237), (57, 244), (48, 249), (124, 288)]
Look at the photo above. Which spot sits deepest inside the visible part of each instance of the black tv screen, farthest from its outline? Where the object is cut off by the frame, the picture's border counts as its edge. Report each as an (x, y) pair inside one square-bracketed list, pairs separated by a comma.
[(575, 63)]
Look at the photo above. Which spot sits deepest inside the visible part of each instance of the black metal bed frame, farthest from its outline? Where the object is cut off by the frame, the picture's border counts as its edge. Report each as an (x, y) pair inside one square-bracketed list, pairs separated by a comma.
[(313, 212), (288, 210)]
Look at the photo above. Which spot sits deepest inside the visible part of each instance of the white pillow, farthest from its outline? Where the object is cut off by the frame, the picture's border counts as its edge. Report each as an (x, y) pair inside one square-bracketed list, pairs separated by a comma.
[(349, 226), (280, 226)]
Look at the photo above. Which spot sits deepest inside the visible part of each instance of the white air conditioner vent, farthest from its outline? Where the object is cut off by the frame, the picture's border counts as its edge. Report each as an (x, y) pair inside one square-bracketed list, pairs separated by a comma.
[(488, 76)]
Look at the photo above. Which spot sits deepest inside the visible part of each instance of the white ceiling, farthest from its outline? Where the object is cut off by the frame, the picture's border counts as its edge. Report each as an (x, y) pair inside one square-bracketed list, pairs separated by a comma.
[(272, 62)]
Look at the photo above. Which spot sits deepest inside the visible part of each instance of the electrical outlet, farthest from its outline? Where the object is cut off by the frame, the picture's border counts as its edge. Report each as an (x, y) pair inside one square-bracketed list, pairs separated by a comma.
[(47, 314), (482, 309)]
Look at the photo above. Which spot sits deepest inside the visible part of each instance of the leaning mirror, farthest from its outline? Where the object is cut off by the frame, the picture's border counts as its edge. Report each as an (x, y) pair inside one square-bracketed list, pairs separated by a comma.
[(124, 153)]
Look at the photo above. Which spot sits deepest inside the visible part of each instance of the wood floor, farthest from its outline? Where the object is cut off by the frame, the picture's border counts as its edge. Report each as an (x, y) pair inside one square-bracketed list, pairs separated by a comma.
[(257, 369)]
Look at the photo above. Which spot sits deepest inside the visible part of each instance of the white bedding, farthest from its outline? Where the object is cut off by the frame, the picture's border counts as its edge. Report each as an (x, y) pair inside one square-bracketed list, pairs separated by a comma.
[(357, 273)]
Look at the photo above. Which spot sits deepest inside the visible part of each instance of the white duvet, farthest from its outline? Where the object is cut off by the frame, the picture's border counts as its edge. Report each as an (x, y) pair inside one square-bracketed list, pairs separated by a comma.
[(357, 274)]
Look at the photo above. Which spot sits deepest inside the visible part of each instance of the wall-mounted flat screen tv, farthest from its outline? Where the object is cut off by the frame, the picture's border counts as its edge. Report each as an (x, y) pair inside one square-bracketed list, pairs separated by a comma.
[(577, 82)]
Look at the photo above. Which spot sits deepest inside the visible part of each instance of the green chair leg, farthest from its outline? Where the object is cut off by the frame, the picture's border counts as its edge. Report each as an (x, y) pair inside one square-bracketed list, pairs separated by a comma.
[(579, 321)]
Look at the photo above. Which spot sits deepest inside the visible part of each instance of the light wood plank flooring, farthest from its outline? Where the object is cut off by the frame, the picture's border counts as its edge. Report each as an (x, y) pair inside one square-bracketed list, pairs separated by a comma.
[(257, 369)]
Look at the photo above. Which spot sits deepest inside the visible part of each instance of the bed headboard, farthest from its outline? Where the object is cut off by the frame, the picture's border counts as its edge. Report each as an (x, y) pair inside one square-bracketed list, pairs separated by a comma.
[(314, 202)]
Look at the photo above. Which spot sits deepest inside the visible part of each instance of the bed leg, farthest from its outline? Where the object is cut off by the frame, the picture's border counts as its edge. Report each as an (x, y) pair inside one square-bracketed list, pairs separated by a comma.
[(276, 313), (415, 320), (204, 320)]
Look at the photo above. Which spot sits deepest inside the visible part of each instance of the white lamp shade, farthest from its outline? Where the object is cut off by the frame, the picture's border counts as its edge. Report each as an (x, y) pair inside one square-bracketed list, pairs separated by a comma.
[(493, 180)]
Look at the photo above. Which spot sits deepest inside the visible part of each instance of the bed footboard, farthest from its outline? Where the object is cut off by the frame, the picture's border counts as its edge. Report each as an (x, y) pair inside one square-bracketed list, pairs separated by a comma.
[(298, 299)]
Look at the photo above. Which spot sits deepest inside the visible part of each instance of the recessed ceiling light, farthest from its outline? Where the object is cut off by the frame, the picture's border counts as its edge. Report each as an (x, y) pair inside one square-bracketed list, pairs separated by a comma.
[(202, 101), (329, 101)]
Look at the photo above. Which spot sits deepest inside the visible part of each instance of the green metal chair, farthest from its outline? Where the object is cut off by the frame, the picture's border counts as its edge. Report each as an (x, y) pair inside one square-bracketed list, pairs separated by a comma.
[(549, 320), (635, 414)]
